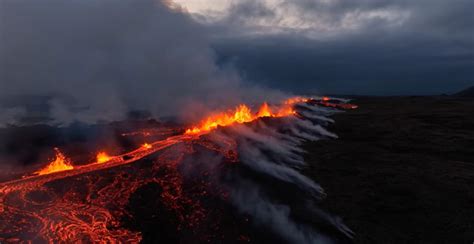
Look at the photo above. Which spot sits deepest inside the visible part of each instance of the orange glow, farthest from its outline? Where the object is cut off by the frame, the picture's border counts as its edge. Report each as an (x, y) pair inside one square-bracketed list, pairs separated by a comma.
[(60, 163), (293, 100), (243, 114), (146, 146), (102, 157), (264, 111), (326, 99), (285, 111), (91, 203)]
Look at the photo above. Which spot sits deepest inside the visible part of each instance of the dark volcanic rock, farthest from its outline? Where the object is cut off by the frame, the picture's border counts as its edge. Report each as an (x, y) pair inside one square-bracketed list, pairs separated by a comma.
[(402, 170)]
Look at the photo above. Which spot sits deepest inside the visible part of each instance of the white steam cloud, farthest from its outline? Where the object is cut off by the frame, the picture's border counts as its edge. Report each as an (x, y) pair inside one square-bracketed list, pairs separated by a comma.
[(272, 150)]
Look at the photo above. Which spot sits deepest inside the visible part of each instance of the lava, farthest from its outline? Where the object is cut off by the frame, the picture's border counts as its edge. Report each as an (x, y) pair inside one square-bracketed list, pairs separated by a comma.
[(294, 100), (60, 163), (102, 157), (146, 146), (264, 111), (31, 208), (87, 202), (243, 114)]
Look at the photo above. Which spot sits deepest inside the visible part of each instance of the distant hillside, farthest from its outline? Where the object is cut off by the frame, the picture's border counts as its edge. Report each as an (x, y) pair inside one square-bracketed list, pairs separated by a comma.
[(469, 92)]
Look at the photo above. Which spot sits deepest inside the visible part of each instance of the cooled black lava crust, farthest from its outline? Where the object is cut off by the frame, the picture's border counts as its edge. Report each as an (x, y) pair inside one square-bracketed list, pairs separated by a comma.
[(402, 170)]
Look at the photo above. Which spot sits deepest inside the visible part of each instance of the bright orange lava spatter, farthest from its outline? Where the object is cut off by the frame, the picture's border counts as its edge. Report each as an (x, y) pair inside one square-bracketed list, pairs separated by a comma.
[(60, 163), (146, 146), (102, 157), (243, 114)]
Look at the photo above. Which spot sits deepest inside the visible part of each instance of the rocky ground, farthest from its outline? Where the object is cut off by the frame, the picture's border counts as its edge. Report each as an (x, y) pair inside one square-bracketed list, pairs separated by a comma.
[(402, 170)]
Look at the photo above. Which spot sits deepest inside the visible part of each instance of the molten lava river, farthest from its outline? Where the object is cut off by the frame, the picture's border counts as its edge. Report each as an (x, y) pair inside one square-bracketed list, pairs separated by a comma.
[(233, 177)]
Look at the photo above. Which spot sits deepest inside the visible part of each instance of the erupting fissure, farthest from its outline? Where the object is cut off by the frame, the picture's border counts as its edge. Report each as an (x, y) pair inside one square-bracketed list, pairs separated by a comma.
[(102, 157), (243, 114), (87, 207), (146, 146), (60, 163)]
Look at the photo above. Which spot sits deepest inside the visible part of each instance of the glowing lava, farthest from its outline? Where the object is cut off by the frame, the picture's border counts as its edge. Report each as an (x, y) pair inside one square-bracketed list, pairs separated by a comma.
[(243, 114), (294, 100), (76, 205), (146, 146), (60, 163), (102, 157), (264, 111)]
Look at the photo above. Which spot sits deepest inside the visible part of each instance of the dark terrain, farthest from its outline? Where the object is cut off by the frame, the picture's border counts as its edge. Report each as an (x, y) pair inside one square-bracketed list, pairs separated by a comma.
[(402, 170)]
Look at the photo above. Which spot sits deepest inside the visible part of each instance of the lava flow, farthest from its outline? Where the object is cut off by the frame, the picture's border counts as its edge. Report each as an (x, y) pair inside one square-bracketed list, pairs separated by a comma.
[(91, 202), (102, 157), (60, 163), (243, 114)]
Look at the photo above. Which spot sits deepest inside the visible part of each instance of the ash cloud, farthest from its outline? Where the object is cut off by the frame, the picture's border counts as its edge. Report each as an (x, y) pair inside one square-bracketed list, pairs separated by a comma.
[(96, 60)]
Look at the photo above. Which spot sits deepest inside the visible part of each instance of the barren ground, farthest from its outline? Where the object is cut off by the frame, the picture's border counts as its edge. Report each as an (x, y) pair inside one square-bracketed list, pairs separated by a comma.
[(402, 170)]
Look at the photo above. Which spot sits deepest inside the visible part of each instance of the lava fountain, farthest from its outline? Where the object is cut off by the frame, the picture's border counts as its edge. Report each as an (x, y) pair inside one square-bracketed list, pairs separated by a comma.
[(196, 185), (60, 163)]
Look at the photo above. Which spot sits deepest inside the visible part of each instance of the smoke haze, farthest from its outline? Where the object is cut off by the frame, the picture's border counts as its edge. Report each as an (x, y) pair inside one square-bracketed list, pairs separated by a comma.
[(96, 60)]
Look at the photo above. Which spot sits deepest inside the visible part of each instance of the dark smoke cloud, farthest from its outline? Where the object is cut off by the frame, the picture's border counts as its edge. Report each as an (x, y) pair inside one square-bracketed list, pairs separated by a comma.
[(91, 60)]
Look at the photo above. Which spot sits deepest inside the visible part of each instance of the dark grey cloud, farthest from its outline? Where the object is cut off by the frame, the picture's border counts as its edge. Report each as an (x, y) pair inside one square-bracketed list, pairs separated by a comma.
[(91, 60), (381, 47), (346, 16), (95, 60), (395, 66)]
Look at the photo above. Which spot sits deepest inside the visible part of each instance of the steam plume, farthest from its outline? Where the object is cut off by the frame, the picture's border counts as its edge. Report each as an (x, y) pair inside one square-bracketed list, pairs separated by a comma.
[(95, 60), (272, 151)]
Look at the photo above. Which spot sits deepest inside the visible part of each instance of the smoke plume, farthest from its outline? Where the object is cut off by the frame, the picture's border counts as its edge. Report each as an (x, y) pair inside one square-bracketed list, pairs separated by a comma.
[(88, 60)]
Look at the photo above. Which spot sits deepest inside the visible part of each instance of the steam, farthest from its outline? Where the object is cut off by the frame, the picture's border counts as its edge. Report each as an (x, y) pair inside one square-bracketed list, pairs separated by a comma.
[(272, 150), (90, 60), (96, 60), (277, 216), (11, 115)]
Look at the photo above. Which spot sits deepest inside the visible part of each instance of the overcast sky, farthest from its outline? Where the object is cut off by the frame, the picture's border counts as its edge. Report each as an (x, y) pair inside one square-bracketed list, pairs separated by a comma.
[(379, 47), (93, 60)]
